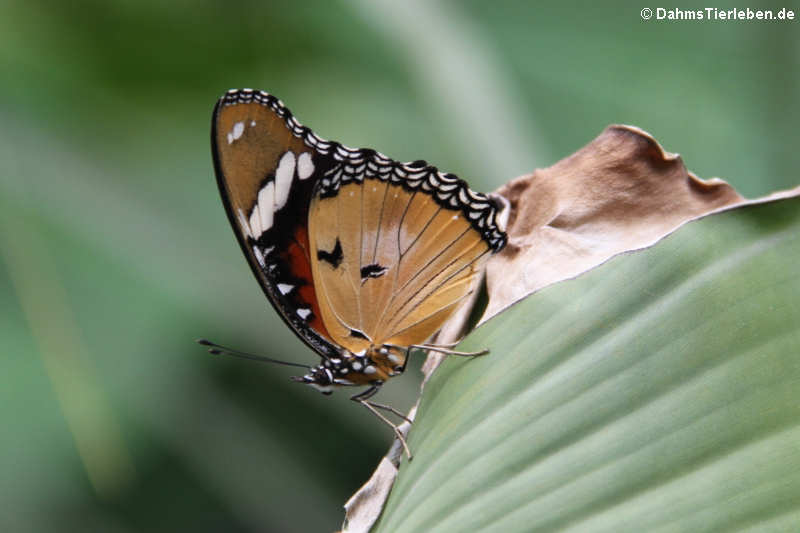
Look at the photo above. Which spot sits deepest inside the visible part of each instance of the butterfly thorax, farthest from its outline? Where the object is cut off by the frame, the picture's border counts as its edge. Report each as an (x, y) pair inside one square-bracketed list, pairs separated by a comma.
[(372, 366)]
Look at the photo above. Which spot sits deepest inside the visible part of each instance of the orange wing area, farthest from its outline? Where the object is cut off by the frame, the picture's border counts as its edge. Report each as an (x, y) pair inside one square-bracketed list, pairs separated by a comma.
[(249, 140), (393, 266)]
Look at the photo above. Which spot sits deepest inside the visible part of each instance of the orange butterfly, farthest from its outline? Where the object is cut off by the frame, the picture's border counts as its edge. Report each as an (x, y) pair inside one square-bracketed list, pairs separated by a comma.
[(363, 257)]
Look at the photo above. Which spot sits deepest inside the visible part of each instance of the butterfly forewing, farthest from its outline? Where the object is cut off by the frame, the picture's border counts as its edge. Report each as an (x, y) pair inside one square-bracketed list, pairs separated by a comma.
[(266, 175)]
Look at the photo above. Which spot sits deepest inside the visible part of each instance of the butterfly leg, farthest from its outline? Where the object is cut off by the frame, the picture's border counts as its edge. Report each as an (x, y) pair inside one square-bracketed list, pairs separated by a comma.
[(369, 393), (391, 410), (363, 397), (447, 351)]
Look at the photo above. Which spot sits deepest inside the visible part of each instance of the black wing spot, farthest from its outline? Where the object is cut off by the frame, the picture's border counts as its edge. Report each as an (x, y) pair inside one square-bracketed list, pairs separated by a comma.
[(334, 257), (372, 271), (358, 334)]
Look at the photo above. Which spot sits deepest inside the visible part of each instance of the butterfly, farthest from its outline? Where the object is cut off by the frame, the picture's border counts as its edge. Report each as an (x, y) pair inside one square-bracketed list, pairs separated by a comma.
[(362, 256)]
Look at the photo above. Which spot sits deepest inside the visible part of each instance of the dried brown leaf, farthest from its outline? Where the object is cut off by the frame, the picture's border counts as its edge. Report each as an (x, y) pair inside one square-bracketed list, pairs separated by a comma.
[(364, 507), (620, 192)]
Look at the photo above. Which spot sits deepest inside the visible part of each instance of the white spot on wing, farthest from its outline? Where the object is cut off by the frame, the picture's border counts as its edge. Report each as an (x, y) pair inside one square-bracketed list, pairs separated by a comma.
[(283, 179), (259, 256), (236, 132), (255, 223), (303, 313), (305, 167), (265, 199), (285, 288), (244, 224)]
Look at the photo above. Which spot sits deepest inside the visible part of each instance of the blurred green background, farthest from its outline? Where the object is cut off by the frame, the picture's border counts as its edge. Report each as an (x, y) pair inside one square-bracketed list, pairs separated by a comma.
[(115, 252)]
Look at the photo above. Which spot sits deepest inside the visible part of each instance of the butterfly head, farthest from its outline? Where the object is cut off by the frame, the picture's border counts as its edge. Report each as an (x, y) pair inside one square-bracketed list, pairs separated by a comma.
[(331, 372), (319, 377)]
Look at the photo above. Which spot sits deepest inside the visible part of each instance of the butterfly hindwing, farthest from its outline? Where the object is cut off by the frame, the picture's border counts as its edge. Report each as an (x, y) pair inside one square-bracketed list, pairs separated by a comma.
[(404, 261)]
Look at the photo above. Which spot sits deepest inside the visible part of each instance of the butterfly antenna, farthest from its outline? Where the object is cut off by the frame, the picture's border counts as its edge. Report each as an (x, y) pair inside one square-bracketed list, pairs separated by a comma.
[(218, 349)]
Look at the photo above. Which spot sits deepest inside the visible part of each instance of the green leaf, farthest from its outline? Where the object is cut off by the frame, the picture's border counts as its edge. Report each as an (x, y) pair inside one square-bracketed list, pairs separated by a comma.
[(657, 392)]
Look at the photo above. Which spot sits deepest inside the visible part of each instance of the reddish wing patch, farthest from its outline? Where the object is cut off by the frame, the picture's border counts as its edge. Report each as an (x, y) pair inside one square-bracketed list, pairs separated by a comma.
[(297, 258)]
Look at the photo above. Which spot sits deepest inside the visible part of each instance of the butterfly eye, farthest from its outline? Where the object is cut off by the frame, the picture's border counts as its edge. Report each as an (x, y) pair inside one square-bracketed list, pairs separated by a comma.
[(324, 377)]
